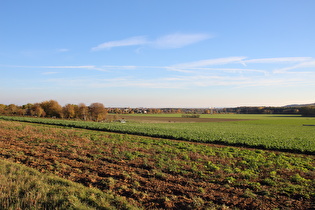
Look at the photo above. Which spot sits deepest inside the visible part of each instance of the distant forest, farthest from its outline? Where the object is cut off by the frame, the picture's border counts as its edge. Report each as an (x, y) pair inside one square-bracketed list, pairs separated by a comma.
[(98, 112)]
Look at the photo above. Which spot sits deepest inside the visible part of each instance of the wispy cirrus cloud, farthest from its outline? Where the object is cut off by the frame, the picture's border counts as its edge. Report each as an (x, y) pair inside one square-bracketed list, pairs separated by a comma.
[(181, 82), (53, 67), (63, 50), (67, 67), (49, 73), (226, 71), (279, 60), (302, 65), (210, 62), (179, 40), (137, 40), (91, 67), (170, 41)]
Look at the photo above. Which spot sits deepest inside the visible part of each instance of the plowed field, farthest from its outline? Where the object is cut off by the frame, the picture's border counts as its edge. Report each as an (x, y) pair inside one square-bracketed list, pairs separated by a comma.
[(158, 173)]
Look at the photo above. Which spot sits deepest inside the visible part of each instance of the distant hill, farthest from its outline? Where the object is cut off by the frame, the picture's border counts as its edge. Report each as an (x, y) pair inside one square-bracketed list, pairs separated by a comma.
[(299, 105)]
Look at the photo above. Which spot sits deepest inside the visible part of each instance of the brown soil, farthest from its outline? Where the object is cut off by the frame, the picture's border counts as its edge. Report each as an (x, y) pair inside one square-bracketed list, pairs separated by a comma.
[(135, 179)]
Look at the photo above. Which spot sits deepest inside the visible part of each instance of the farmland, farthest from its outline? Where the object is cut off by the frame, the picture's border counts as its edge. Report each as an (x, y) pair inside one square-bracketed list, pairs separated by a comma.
[(25, 188), (285, 133), (173, 174)]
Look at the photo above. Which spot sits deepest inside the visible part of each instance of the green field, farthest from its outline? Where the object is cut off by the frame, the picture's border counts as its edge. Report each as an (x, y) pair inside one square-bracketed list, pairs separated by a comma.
[(145, 172), (276, 132)]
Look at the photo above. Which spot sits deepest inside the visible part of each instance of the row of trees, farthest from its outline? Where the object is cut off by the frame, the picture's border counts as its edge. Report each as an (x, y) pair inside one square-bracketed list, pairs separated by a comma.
[(51, 108), (95, 111), (98, 112), (264, 110), (308, 111)]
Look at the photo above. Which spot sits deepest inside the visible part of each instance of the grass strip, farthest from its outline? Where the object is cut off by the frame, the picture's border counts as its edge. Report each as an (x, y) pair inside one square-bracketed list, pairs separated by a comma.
[(26, 188)]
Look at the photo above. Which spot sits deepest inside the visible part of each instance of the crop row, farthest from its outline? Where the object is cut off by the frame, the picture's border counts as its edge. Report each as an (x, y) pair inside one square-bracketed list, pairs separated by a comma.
[(163, 173), (280, 134)]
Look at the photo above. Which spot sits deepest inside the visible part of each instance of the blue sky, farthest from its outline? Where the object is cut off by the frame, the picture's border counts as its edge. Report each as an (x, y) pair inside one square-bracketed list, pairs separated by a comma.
[(158, 53)]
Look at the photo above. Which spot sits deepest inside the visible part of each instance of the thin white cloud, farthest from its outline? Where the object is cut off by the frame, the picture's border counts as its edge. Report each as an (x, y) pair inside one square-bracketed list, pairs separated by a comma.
[(227, 71), (121, 67), (210, 62), (49, 73), (221, 69), (58, 67), (178, 40), (137, 40), (67, 67), (115, 82), (275, 82), (199, 79), (63, 50), (307, 64), (236, 81), (54, 67), (278, 60), (179, 70), (170, 41), (73, 67)]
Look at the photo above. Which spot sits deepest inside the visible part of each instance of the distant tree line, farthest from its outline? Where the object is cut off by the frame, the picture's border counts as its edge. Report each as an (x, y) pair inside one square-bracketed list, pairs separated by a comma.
[(98, 112), (51, 108), (264, 110), (308, 111), (95, 111)]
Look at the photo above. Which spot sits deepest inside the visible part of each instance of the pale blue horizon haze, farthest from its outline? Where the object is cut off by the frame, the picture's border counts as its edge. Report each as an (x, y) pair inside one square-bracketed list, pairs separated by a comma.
[(140, 53)]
